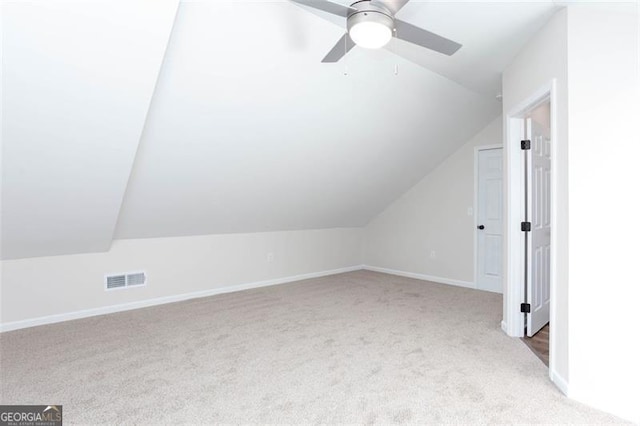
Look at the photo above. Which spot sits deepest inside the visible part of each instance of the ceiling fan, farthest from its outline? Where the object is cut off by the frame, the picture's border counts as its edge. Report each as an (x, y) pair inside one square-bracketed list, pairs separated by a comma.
[(372, 24)]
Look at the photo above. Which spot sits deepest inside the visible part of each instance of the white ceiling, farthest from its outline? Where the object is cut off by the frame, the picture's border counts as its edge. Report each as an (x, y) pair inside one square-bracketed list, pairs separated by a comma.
[(77, 79), (245, 131), (491, 34), (251, 133)]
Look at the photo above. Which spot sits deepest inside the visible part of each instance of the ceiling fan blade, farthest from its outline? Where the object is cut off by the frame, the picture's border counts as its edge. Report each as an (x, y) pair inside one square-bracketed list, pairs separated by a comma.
[(343, 45), (327, 6), (392, 6), (424, 38)]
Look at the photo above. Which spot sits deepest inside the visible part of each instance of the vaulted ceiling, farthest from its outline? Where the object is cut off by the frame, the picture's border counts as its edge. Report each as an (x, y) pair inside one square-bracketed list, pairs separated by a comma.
[(77, 82), (152, 118)]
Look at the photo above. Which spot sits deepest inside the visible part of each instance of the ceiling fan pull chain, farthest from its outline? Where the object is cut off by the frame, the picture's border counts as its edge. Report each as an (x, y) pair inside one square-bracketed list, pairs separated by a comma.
[(395, 35), (346, 49)]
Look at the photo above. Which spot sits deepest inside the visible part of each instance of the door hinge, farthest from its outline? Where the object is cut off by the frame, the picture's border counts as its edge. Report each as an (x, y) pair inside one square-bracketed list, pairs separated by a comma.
[(525, 308), (525, 144), (525, 226)]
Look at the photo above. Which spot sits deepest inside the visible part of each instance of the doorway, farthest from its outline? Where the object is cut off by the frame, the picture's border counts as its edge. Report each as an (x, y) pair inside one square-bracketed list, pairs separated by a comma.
[(536, 147), (530, 214), (489, 213)]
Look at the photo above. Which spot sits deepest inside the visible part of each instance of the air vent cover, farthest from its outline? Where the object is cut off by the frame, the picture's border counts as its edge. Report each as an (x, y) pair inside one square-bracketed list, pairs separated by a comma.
[(116, 281), (131, 279), (137, 278)]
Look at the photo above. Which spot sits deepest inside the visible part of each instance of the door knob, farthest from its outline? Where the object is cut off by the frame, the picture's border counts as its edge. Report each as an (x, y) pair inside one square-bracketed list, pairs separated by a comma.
[(480, 227)]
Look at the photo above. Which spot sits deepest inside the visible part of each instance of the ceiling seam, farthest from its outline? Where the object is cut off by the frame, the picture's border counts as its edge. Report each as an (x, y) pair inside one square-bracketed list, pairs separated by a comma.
[(146, 119)]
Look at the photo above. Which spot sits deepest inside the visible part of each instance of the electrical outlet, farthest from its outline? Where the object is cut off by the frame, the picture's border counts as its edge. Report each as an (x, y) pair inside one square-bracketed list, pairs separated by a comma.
[(270, 257), (432, 254), (469, 211)]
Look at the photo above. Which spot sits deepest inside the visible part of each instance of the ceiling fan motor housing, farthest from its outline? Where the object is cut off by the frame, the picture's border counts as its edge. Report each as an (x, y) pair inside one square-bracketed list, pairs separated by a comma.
[(368, 15)]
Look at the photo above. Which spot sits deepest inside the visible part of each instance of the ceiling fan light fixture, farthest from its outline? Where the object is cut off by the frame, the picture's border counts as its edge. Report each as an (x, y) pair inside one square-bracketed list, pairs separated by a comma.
[(371, 30)]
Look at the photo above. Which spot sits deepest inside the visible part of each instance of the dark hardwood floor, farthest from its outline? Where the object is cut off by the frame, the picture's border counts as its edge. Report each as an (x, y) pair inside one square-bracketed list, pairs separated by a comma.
[(539, 344)]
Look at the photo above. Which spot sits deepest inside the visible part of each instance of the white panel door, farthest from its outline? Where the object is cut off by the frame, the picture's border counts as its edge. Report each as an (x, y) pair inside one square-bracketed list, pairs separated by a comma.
[(539, 250), (489, 220)]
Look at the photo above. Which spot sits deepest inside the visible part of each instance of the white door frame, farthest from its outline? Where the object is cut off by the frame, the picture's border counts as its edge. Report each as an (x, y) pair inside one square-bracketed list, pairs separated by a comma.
[(476, 153), (513, 319)]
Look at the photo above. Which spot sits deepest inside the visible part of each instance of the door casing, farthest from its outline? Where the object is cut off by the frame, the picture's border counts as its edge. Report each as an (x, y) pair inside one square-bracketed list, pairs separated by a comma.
[(514, 243)]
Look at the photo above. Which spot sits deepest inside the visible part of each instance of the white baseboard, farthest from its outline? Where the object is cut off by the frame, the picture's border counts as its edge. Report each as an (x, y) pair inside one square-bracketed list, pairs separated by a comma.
[(51, 319), (560, 382), (423, 277), (504, 327)]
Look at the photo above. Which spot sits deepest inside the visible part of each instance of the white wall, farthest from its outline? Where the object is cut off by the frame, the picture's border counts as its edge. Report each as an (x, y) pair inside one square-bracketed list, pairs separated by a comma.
[(433, 215), (604, 148), (55, 286), (591, 51), (542, 60)]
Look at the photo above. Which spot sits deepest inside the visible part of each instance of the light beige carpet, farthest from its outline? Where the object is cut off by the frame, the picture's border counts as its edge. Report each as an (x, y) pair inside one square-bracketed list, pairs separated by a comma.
[(360, 347)]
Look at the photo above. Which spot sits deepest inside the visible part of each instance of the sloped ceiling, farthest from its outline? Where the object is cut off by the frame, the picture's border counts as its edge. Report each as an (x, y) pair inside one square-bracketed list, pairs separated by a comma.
[(492, 32), (77, 80), (246, 130)]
